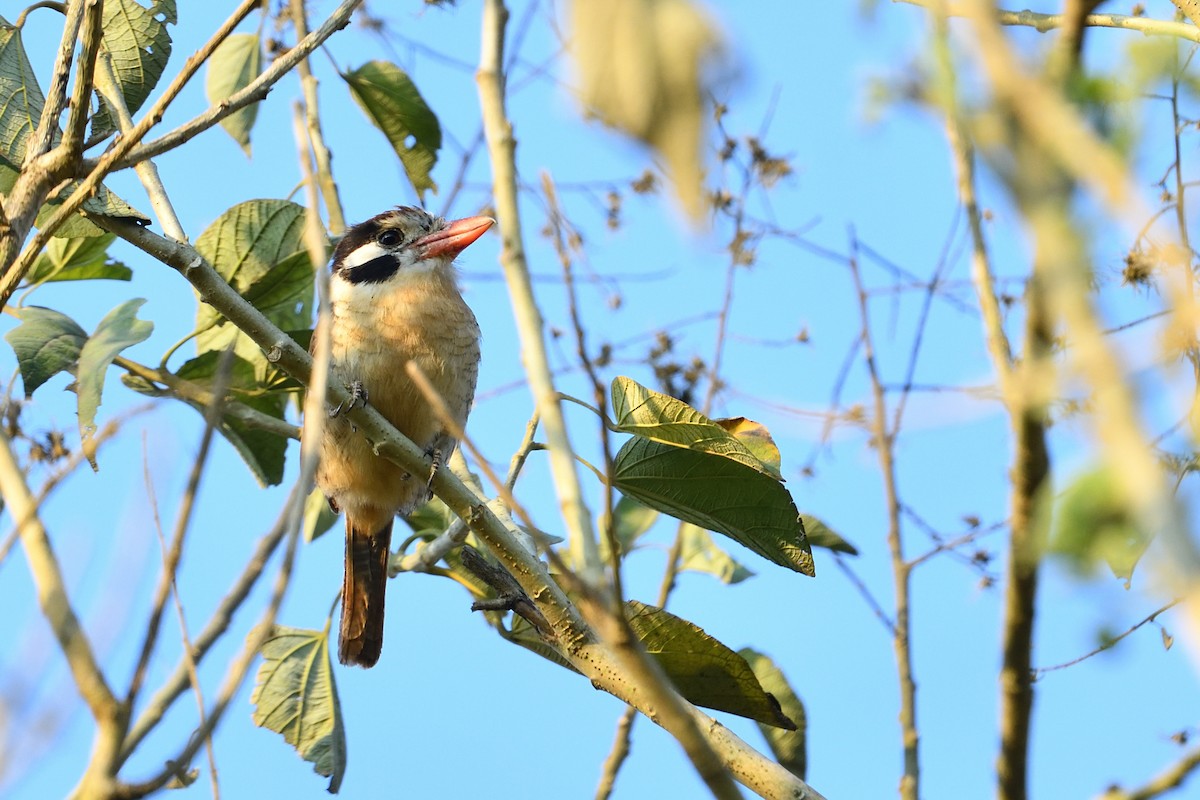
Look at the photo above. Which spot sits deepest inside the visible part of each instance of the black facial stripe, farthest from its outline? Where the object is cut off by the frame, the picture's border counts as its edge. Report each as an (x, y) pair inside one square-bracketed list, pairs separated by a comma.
[(376, 270), (355, 238)]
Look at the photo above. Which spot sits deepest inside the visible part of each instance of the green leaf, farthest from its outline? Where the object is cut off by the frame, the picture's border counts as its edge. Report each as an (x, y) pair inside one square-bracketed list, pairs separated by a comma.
[(820, 535), (77, 260), (295, 695), (1094, 524), (717, 494), (235, 63), (21, 99), (103, 203), (701, 554), (265, 453), (21, 103), (285, 289), (202, 370), (46, 343), (430, 518), (247, 241), (392, 103), (318, 516), (257, 246), (118, 330), (138, 45), (526, 635), (664, 419), (631, 520), (789, 747), (704, 671)]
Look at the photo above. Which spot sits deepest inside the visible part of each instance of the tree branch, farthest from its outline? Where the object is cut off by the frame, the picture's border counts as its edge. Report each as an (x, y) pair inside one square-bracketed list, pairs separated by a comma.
[(884, 442), (312, 117), (1049, 22), (110, 715), (43, 167), (188, 391), (252, 92), (502, 147), (122, 153)]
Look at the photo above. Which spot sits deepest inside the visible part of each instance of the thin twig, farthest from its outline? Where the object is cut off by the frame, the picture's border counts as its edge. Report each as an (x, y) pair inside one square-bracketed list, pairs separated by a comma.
[(616, 755), (44, 166), (193, 674), (183, 521), (865, 592), (429, 554), (884, 442), (147, 172), (218, 624), (599, 395), (1170, 778), (192, 392), (316, 138), (240, 667), (1038, 672), (122, 153)]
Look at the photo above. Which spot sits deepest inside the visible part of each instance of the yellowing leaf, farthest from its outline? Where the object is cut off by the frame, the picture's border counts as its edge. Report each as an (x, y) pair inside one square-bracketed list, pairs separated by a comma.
[(755, 437), (665, 419), (641, 64)]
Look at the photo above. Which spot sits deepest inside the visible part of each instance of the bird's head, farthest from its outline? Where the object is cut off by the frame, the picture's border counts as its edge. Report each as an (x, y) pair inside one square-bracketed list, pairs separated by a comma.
[(403, 242)]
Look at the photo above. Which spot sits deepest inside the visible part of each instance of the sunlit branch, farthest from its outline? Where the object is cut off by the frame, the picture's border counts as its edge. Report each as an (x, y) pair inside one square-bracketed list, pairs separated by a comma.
[(1048, 22)]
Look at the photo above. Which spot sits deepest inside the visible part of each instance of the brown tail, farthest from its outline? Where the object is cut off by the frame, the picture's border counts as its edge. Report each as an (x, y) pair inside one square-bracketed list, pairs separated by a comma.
[(363, 590)]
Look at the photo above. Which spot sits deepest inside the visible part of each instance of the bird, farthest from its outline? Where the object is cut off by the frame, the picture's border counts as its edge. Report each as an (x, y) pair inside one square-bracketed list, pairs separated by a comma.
[(394, 298)]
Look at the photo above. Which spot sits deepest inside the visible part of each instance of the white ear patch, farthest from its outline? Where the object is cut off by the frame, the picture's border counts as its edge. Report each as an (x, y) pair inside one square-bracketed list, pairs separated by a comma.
[(363, 254)]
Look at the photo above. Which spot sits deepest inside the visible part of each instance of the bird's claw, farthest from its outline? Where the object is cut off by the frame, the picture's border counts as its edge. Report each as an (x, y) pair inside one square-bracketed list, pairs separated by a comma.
[(358, 397), (435, 456)]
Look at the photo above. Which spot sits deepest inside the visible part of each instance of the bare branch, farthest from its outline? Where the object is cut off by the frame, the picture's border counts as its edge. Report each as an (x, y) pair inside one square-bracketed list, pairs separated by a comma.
[(109, 714), (884, 442), (312, 116), (1049, 22), (194, 393), (502, 147), (1170, 778), (1108, 645), (172, 556)]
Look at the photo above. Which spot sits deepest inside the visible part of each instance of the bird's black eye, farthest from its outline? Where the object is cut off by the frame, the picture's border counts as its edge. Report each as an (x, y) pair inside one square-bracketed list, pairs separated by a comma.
[(390, 238)]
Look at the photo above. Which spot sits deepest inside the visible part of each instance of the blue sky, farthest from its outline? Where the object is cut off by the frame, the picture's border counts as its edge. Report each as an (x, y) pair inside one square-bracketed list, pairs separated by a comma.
[(453, 711)]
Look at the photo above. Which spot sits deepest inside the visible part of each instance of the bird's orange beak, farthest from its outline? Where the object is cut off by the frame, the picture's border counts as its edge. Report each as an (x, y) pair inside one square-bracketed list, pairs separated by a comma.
[(454, 238)]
